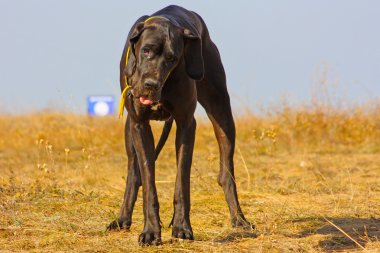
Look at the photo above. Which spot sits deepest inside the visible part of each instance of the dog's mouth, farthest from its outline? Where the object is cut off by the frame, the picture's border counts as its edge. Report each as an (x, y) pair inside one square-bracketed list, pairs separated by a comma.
[(145, 100), (146, 97)]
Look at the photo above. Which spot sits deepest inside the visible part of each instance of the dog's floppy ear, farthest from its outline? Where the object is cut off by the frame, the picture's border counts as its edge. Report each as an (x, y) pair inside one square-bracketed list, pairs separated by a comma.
[(193, 54), (133, 37)]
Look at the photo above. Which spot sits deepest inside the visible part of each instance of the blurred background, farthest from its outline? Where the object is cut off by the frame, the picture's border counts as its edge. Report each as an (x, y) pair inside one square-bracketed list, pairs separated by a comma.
[(54, 54)]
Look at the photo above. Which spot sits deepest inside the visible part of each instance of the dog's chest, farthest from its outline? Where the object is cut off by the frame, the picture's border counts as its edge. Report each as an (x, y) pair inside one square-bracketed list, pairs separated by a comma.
[(159, 112)]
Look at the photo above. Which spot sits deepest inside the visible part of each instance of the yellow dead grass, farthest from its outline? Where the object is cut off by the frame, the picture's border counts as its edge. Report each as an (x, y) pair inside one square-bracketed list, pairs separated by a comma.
[(62, 180)]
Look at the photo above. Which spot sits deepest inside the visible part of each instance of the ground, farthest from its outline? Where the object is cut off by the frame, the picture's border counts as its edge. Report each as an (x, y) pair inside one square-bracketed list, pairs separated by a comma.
[(308, 179)]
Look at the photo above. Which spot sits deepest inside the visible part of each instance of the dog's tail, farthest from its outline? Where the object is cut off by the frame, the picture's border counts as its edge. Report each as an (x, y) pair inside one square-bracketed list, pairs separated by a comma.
[(164, 135)]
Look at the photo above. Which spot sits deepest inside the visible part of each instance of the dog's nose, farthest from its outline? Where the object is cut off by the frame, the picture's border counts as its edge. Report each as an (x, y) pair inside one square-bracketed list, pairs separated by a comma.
[(152, 85)]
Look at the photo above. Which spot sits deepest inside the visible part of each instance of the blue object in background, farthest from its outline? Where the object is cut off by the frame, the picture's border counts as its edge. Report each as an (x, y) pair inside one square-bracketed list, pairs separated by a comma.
[(100, 105)]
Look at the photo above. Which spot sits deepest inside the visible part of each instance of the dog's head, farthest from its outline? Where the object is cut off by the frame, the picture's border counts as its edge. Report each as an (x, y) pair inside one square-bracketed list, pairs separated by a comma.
[(156, 48)]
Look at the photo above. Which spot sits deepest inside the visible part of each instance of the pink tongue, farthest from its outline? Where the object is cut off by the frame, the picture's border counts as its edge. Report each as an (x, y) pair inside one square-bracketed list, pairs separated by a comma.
[(145, 101)]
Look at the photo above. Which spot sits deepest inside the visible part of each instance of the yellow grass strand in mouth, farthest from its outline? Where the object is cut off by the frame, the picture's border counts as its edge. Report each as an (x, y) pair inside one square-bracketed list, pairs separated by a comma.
[(127, 87), (122, 100)]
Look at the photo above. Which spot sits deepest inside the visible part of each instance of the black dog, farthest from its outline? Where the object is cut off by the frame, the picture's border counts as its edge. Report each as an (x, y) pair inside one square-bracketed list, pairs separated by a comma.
[(171, 63)]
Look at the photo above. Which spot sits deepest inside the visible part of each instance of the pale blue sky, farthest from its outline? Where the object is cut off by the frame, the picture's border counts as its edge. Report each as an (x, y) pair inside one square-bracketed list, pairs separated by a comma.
[(55, 53)]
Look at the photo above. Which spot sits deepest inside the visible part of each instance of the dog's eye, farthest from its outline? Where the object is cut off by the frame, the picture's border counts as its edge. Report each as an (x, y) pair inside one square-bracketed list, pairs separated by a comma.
[(146, 52)]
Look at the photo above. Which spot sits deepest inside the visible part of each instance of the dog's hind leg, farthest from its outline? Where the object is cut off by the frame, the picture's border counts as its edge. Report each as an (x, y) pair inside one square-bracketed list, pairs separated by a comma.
[(220, 114), (213, 96), (133, 183)]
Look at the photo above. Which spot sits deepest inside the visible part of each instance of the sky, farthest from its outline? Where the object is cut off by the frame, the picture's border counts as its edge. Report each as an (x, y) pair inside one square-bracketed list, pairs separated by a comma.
[(53, 54)]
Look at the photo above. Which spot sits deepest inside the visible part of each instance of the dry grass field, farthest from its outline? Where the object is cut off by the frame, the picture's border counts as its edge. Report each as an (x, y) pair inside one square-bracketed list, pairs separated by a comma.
[(309, 178)]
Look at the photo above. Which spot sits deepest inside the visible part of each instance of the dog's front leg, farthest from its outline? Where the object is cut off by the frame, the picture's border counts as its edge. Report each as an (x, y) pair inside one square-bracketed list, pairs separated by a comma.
[(184, 147), (144, 144), (133, 183)]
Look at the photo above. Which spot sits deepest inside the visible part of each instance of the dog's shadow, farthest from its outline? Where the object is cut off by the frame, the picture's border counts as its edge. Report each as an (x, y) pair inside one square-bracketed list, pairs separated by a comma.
[(234, 236), (359, 229)]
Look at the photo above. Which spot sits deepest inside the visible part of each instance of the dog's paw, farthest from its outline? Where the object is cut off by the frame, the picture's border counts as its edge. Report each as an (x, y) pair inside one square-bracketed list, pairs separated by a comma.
[(119, 224), (150, 238), (182, 233), (241, 222)]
